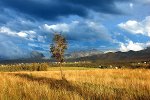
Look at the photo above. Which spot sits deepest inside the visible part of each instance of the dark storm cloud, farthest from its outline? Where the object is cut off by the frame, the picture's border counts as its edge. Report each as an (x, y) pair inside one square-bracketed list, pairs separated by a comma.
[(44, 9), (50, 9)]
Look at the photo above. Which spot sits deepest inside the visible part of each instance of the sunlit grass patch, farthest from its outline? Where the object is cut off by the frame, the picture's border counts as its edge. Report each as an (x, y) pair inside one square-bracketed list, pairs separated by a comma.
[(70, 68)]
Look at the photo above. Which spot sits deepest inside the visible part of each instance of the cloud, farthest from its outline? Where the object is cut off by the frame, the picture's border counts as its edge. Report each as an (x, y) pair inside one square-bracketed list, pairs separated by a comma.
[(144, 1), (13, 47), (14, 44), (81, 31), (13, 33), (41, 38), (131, 5), (58, 27), (50, 9), (33, 45), (9, 50), (22, 34), (130, 45), (137, 27)]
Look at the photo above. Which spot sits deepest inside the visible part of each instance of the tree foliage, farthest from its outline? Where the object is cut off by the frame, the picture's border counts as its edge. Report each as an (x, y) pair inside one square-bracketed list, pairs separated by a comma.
[(58, 47)]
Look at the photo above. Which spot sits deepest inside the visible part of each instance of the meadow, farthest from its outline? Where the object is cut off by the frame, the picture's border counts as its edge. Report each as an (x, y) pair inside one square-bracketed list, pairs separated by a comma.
[(80, 83)]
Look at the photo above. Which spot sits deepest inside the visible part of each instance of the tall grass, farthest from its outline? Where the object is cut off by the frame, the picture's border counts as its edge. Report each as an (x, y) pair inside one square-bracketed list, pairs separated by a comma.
[(102, 84)]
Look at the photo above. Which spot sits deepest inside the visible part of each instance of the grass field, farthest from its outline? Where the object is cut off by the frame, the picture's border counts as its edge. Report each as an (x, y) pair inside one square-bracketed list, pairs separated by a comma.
[(80, 84), (70, 68)]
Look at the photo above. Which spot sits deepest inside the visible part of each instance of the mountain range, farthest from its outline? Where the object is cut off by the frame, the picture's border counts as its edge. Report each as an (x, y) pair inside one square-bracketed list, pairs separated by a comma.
[(143, 55), (90, 55), (83, 53)]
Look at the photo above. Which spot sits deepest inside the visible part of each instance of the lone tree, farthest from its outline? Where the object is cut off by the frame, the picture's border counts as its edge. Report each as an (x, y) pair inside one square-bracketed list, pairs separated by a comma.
[(57, 48)]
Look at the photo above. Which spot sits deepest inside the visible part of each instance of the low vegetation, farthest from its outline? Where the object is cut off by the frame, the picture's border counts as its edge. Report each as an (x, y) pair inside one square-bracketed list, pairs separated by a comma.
[(91, 84), (70, 65), (24, 67)]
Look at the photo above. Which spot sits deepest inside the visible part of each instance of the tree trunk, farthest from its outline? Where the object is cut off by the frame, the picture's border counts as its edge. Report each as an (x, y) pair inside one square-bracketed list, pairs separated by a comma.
[(61, 71)]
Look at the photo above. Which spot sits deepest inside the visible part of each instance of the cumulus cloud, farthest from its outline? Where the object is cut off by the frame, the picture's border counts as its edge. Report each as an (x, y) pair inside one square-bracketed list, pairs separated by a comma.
[(83, 30), (58, 27), (130, 45), (10, 32), (137, 27), (22, 34)]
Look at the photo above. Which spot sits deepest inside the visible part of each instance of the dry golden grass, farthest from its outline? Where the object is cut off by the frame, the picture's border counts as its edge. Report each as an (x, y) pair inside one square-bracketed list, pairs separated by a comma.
[(100, 84)]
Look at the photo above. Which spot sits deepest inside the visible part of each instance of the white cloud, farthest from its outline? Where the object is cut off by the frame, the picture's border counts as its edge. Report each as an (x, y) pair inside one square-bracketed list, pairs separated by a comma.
[(41, 38), (33, 45), (135, 27), (58, 27), (23, 34), (131, 5), (97, 27), (13, 33), (130, 45), (83, 30), (7, 31)]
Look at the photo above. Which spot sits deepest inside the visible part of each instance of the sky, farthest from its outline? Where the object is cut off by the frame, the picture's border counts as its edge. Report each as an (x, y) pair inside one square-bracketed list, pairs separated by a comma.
[(105, 25)]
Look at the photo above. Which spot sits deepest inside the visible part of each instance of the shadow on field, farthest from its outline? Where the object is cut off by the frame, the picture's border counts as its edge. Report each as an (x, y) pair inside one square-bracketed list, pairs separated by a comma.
[(61, 84)]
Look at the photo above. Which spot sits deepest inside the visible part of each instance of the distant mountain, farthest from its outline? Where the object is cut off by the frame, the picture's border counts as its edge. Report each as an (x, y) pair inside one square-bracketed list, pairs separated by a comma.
[(83, 53), (143, 55)]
